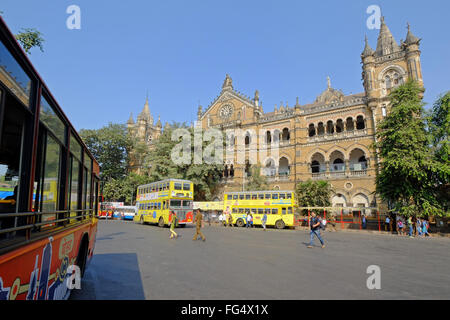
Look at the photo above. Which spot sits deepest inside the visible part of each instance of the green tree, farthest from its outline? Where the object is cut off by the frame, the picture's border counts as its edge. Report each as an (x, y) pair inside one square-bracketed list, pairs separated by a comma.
[(110, 145), (29, 38), (313, 193), (406, 178), (204, 176), (257, 182)]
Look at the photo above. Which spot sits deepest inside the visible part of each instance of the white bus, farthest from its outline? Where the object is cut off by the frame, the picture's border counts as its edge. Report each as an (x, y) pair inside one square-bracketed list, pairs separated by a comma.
[(125, 212)]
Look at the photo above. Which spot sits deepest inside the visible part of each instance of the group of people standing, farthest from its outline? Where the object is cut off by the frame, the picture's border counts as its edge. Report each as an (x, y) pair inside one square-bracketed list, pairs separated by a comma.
[(416, 226)]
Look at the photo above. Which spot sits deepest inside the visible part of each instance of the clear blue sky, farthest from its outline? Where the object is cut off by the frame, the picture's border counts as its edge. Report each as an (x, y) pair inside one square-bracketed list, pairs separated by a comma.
[(181, 50)]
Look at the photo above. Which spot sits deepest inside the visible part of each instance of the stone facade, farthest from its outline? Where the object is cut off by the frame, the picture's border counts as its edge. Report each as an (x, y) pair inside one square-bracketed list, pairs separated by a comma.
[(329, 139)]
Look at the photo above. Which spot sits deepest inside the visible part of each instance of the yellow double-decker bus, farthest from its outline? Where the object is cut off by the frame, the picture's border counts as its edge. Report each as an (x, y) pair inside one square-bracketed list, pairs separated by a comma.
[(278, 205), (156, 201)]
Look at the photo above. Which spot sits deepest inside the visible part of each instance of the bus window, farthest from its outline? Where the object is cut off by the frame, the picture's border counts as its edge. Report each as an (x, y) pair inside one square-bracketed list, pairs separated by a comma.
[(186, 186), (253, 210), (261, 196), (159, 205), (177, 186), (167, 185), (268, 196), (234, 210), (247, 210), (175, 203), (282, 195), (254, 196), (187, 204), (260, 211), (289, 210), (241, 210), (235, 196), (247, 197), (289, 196), (267, 210), (241, 197), (274, 211), (274, 196), (283, 210)]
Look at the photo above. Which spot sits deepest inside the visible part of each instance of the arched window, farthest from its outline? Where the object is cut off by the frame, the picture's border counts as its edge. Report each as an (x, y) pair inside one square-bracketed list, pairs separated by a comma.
[(330, 127), (315, 166), (339, 126), (388, 82), (320, 129), (311, 130), (247, 139), (360, 124), (268, 137), (349, 124), (286, 136)]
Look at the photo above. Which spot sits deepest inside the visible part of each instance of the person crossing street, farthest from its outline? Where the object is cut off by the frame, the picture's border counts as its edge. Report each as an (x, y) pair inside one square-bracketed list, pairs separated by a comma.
[(198, 225), (315, 230)]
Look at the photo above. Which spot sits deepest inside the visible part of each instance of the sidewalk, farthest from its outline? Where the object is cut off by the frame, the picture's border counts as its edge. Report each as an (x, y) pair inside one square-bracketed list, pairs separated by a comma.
[(386, 233)]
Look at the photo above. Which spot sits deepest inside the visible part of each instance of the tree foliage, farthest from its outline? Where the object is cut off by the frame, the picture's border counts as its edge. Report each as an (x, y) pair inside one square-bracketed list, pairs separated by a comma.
[(313, 193), (256, 181), (408, 173), (204, 176), (110, 145), (29, 38)]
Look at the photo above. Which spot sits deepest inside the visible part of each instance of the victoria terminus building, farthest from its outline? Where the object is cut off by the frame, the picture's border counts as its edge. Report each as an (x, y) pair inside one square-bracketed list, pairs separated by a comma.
[(329, 139)]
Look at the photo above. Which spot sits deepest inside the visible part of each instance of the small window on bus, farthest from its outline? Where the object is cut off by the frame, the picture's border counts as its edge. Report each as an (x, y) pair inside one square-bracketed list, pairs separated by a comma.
[(247, 197), (159, 205), (177, 186), (234, 210), (241, 197), (187, 203), (260, 210), (241, 210), (289, 210), (274, 211), (175, 203), (289, 196), (186, 186), (283, 210), (235, 196), (158, 187), (253, 210), (267, 210), (254, 196), (167, 185), (261, 196), (274, 195), (268, 196), (282, 195)]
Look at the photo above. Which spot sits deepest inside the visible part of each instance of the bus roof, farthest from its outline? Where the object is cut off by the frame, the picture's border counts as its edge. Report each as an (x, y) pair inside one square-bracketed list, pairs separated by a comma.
[(266, 191), (166, 180)]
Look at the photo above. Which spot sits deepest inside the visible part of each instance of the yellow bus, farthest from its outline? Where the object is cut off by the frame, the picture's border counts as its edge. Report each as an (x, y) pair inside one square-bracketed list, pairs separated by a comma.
[(155, 201), (278, 205)]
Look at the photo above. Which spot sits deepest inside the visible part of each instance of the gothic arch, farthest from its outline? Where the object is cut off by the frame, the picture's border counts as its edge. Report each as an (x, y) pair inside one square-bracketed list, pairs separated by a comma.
[(395, 67), (337, 148), (313, 152)]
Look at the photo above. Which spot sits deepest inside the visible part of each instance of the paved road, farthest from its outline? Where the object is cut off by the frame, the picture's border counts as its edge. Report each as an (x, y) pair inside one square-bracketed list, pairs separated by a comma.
[(135, 261)]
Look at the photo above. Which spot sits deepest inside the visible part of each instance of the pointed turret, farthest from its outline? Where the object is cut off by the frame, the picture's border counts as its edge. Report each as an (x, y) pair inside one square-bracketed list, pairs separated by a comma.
[(145, 113), (158, 123), (227, 83), (386, 43), (411, 38), (130, 120), (368, 51)]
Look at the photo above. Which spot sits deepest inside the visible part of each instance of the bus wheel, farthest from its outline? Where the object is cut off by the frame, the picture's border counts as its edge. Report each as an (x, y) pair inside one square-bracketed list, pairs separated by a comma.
[(280, 224), (240, 222), (161, 222)]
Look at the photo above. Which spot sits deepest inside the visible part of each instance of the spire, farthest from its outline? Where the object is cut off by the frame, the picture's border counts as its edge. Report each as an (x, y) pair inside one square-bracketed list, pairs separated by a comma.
[(227, 83), (328, 82), (368, 51), (158, 123), (386, 43), (130, 120), (411, 38)]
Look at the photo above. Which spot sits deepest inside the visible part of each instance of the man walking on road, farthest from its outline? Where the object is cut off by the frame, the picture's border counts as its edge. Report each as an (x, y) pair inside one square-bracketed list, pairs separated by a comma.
[(264, 220), (315, 230), (198, 222)]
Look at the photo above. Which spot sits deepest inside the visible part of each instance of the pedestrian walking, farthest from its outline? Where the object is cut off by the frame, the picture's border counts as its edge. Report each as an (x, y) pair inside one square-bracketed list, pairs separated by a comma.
[(425, 227), (400, 227), (173, 224), (264, 221), (221, 222), (247, 220), (387, 223), (419, 227), (410, 226), (230, 220), (364, 222), (315, 230), (333, 222), (198, 225)]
